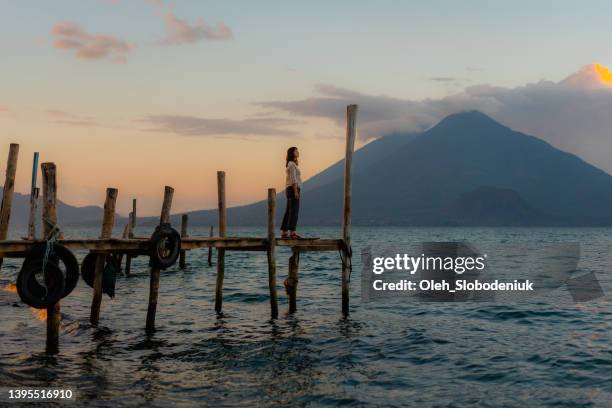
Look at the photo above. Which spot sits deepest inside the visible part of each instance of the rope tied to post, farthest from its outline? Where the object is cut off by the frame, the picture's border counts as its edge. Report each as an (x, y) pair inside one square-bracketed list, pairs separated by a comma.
[(49, 271), (51, 240), (346, 255)]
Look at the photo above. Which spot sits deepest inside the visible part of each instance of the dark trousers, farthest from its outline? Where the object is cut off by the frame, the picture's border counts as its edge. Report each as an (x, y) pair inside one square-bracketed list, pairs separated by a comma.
[(291, 211)]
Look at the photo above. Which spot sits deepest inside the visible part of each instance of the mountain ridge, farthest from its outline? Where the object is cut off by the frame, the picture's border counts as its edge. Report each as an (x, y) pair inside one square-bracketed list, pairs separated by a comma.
[(427, 178)]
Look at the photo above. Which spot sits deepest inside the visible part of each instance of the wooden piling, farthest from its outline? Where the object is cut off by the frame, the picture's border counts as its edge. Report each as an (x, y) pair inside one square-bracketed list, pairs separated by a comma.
[(272, 252), (351, 118), (49, 216), (131, 232), (34, 192), (32, 215), (154, 283), (292, 279), (108, 221), (125, 235), (210, 234), (133, 219), (222, 234), (184, 221), (128, 258), (7, 193)]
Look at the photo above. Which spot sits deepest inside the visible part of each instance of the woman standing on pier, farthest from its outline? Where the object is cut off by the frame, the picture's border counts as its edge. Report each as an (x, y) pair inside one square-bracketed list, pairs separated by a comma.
[(293, 184)]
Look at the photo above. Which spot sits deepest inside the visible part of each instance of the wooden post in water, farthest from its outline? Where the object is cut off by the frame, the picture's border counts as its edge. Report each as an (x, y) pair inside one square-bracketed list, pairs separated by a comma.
[(154, 283), (133, 220), (32, 215), (125, 235), (49, 216), (292, 279), (7, 192), (210, 234), (126, 231), (132, 224), (130, 234), (222, 234), (272, 252), (34, 192), (108, 221), (351, 119), (184, 221)]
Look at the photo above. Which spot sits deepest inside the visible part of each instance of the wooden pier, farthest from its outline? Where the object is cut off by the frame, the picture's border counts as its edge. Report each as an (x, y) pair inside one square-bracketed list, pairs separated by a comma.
[(131, 245)]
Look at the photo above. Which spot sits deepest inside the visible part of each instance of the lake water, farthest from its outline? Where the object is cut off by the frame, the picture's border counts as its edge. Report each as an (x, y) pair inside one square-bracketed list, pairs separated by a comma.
[(394, 353)]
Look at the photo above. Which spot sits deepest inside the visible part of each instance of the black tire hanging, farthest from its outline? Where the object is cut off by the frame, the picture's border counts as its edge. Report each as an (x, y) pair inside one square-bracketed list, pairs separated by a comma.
[(37, 288), (59, 255), (164, 246), (111, 268)]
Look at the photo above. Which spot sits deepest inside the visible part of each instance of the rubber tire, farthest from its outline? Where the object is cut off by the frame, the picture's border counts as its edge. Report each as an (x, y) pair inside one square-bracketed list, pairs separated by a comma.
[(88, 271), (60, 253), (88, 267), (30, 291), (164, 232)]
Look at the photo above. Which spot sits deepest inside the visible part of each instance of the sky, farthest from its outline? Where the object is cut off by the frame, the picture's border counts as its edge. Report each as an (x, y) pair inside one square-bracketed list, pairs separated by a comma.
[(138, 94)]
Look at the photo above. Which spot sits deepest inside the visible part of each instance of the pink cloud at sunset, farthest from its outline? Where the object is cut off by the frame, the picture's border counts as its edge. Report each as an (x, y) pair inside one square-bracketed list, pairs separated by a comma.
[(572, 114), (180, 31), (71, 36)]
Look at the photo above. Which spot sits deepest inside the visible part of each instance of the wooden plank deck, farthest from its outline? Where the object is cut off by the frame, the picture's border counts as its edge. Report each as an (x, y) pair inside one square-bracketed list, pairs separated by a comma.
[(18, 248)]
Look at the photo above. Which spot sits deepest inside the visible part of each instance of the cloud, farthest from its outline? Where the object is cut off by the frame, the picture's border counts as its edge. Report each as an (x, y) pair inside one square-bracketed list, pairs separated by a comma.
[(68, 118), (198, 126), (443, 79), (4, 109), (450, 82), (573, 115), (71, 36), (179, 31)]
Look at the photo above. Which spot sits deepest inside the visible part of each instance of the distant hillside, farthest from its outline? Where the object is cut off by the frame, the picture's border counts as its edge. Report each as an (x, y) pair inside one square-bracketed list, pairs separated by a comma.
[(466, 170), (491, 206), (426, 179), (362, 159), (463, 152), (68, 215)]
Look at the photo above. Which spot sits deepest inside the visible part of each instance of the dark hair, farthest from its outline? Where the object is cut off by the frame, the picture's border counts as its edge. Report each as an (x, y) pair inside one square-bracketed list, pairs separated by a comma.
[(291, 156)]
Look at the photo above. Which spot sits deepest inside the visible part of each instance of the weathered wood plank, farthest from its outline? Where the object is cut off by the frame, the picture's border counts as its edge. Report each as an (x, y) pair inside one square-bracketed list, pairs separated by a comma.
[(13, 248), (16, 248)]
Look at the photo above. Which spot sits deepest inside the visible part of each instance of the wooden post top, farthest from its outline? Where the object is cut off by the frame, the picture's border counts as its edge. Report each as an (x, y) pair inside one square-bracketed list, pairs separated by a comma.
[(167, 204), (221, 203), (271, 216), (49, 213), (109, 213), (351, 125)]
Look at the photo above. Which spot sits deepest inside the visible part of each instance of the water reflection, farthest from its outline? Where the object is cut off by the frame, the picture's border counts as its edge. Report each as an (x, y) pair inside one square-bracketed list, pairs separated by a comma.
[(382, 354)]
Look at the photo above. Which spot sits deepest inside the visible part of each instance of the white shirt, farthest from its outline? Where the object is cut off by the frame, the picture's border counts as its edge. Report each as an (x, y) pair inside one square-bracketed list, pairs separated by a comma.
[(294, 176)]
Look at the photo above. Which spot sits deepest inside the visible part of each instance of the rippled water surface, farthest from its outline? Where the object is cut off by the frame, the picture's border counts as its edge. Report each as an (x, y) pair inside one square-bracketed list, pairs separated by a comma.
[(387, 354)]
